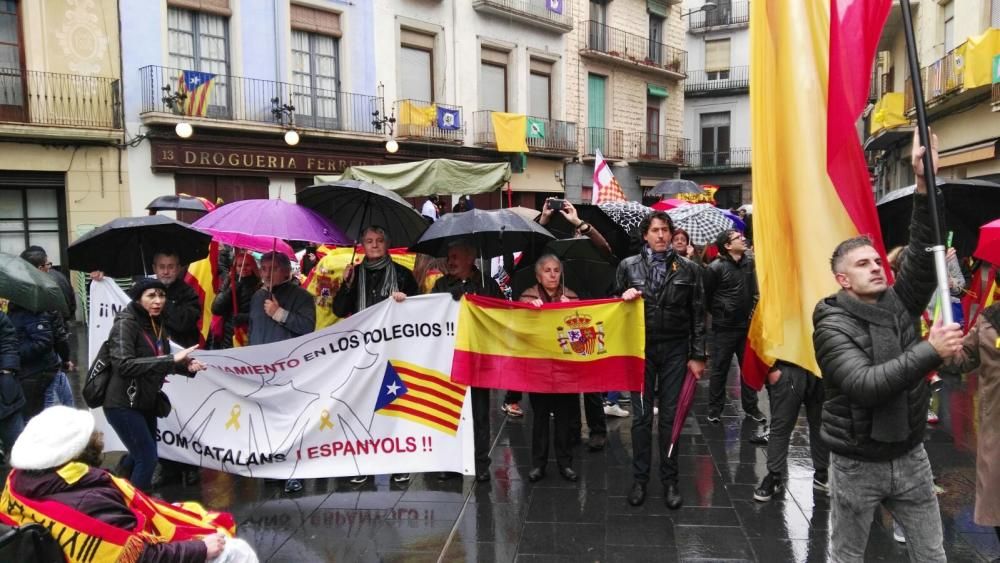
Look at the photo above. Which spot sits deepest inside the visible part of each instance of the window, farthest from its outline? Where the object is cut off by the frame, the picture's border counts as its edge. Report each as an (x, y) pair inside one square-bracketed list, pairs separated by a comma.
[(721, 15), (715, 138), (995, 13), (11, 83), (540, 89), (949, 27), (493, 80), (416, 61), (717, 59), (655, 38), (200, 41), (652, 149), (316, 76), (596, 98), (598, 34), (31, 215)]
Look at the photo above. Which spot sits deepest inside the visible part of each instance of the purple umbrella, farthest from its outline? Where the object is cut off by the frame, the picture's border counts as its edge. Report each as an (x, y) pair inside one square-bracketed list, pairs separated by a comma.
[(683, 407), (273, 218)]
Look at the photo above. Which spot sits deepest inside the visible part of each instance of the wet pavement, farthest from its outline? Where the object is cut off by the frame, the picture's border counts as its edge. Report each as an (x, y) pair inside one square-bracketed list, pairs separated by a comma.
[(510, 519)]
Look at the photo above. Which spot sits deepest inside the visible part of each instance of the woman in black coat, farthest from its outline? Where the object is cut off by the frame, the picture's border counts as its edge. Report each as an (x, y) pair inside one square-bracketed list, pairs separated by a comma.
[(140, 362), (233, 300)]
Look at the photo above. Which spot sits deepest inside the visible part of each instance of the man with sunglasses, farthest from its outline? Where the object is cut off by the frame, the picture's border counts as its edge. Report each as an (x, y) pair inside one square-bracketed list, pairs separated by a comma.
[(730, 295)]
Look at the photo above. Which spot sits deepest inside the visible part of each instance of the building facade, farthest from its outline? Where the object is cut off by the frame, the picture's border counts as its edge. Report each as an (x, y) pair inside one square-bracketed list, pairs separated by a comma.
[(717, 99), (958, 45), (62, 167), (625, 65)]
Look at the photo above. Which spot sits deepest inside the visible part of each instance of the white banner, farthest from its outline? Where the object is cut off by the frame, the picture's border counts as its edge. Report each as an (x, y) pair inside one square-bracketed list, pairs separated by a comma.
[(368, 395)]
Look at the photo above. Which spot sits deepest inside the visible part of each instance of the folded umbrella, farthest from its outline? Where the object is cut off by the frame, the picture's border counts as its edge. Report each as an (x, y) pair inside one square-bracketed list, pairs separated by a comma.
[(273, 218), (353, 205), (702, 221), (493, 233), (683, 408), (26, 286), (126, 245)]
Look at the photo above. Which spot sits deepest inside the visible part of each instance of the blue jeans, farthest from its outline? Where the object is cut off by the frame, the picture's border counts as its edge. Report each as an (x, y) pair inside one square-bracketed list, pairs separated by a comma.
[(137, 430), (59, 392), (613, 397), (904, 485)]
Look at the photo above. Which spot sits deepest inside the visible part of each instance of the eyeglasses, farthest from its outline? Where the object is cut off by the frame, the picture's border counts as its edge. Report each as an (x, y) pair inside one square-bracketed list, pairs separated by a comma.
[(737, 237)]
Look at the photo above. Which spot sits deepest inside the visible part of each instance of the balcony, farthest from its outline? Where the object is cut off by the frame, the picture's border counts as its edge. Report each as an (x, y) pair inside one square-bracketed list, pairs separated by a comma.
[(530, 12), (734, 158), (617, 46), (558, 137), (29, 97), (420, 120), (247, 101), (648, 147), (995, 98), (725, 15), (734, 80), (939, 80), (611, 142)]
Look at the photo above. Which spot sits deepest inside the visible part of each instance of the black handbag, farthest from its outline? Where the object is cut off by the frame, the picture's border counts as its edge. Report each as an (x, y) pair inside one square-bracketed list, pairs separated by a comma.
[(98, 376), (163, 406)]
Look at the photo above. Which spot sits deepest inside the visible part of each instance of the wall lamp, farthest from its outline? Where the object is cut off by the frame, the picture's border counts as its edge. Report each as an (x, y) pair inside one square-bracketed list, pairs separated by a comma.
[(174, 101), (386, 122), (282, 111)]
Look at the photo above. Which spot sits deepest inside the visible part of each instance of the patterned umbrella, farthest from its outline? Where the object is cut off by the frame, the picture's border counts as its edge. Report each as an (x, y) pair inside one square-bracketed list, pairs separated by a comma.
[(702, 221), (628, 214)]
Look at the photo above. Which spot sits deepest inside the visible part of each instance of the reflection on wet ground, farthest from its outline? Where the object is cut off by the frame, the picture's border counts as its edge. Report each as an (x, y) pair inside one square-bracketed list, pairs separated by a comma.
[(510, 519)]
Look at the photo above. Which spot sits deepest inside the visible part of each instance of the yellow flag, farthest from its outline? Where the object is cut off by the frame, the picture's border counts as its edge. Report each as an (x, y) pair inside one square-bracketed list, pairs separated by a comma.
[(413, 114), (510, 131), (977, 58), (888, 112)]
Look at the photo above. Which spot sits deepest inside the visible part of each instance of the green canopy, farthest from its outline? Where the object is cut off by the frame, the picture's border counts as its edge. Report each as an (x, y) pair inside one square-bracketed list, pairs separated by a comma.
[(428, 177)]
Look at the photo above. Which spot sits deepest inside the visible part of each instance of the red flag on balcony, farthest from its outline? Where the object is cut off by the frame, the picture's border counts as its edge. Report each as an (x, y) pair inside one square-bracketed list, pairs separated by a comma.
[(810, 66), (197, 87), (606, 187)]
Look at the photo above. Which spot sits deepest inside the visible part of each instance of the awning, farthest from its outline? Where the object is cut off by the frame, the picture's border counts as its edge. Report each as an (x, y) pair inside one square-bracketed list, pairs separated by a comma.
[(972, 153), (428, 177), (658, 8), (888, 138), (656, 91)]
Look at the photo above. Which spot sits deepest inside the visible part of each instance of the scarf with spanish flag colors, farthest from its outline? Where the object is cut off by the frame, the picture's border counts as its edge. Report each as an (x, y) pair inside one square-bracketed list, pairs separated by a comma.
[(571, 347), (810, 67), (87, 540)]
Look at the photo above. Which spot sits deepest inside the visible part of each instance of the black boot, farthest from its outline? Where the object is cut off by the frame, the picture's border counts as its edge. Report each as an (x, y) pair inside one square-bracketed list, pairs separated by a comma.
[(673, 498), (637, 495)]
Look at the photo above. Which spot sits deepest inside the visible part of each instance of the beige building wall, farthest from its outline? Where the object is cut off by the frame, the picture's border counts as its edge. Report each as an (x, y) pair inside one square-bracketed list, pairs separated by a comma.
[(72, 36)]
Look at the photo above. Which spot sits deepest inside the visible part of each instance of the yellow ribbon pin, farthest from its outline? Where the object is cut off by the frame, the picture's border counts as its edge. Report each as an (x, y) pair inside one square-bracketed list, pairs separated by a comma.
[(234, 418), (997, 343), (324, 420)]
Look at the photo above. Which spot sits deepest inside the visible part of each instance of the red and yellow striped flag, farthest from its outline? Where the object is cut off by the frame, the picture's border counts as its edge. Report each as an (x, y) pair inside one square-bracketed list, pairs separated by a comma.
[(420, 395), (809, 71), (573, 347), (202, 277)]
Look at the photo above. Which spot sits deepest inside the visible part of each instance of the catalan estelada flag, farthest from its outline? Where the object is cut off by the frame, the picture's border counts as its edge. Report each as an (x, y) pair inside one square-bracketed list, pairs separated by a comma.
[(573, 347), (420, 395), (197, 86), (809, 71)]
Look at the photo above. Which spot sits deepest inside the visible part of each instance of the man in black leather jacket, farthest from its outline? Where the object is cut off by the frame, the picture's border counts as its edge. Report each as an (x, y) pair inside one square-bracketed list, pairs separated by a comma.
[(674, 302), (731, 293), (874, 366)]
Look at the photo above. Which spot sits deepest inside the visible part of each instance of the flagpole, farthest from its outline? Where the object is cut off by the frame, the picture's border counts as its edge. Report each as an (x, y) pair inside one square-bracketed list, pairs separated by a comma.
[(940, 268)]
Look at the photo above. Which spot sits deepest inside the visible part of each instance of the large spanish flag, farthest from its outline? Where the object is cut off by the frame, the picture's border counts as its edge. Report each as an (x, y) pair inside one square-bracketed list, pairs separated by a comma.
[(809, 71), (574, 347)]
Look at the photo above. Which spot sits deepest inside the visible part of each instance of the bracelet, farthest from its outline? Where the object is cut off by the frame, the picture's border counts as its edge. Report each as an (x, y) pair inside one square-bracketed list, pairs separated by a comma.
[(583, 232)]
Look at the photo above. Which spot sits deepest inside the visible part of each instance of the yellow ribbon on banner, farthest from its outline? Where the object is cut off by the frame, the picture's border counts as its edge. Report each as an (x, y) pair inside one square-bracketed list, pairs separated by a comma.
[(324, 420), (234, 418)]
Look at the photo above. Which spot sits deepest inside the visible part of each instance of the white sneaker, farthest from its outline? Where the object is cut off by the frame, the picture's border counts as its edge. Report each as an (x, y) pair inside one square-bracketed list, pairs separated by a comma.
[(615, 410)]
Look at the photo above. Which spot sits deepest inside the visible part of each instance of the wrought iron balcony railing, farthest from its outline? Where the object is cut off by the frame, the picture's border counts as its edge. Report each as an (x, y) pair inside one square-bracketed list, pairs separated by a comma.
[(611, 142), (417, 119), (637, 50), (238, 99), (733, 158), (704, 82), (551, 136), (656, 148), (940, 78), (65, 100), (533, 12), (725, 14)]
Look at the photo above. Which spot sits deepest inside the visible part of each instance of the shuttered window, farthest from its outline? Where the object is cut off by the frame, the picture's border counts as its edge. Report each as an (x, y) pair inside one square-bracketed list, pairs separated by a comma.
[(717, 54)]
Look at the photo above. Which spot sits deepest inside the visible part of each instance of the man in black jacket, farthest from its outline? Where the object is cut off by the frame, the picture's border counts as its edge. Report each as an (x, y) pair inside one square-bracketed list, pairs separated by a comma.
[(674, 302), (874, 367), (731, 293), (464, 278), (183, 308), (11, 394)]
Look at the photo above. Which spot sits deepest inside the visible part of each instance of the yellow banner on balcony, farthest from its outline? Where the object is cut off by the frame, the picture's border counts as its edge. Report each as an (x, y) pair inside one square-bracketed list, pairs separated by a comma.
[(888, 112), (509, 130), (977, 58), (413, 114)]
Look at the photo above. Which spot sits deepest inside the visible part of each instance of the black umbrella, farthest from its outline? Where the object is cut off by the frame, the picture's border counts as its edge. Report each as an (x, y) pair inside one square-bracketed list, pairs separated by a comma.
[(615, 234), (125, 246), (26, 286), (585, 270), (180, 202), (353, 205), (492, 232), (673, 187), (966, 206)]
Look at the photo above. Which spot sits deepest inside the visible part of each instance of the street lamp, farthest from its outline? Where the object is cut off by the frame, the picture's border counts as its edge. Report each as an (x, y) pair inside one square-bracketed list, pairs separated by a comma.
[(280, 111), (708, 6), (383, 121)]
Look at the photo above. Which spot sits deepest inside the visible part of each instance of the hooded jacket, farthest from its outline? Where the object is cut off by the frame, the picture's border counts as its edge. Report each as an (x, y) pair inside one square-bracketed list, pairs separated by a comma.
[(96, 496), (134, 358), (855, 386)]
